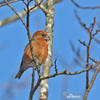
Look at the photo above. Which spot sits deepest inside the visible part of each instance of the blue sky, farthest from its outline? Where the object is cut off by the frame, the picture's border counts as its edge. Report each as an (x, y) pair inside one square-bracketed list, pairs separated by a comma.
[(13, 38)]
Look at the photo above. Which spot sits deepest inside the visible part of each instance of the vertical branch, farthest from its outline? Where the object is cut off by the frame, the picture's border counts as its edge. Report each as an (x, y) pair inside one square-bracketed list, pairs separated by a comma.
[(88, 52), (89, 30), (48, 62), (32, 54), (91, 83), (87, 63)]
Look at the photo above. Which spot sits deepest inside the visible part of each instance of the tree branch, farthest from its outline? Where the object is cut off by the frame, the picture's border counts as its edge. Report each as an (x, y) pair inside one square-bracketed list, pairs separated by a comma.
[(41, 6), (85, 27), (91, 83), (34, 89), (85, 7), (69, 73), (4, 3), (22, 14), (17, 14)]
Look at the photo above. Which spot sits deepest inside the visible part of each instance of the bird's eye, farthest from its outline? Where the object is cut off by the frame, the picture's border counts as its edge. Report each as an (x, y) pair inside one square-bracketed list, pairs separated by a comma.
[(43, 35)]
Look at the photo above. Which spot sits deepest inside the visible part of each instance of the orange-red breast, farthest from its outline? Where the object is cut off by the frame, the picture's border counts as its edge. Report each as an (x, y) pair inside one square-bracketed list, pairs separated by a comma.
[(40, 51)]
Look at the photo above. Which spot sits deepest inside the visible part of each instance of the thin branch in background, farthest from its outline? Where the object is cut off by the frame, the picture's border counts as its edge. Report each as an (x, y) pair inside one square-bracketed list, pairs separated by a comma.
[(77, 52), (77, 62), (61, 60), (12, 88), (16, 14), (85, 27), (88, 48), (91, 36), (81, 23), (79, 58), (91, 83), (41, 6), (10, 1), (94, 60), (22, 14), (85, 7)]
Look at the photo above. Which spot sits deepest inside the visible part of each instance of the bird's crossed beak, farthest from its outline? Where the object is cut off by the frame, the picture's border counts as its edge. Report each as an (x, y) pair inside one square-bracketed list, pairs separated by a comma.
[(47, 38)]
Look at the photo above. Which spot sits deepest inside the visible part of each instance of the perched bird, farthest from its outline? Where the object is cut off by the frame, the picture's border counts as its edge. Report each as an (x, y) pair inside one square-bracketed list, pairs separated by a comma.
[(40, 51)]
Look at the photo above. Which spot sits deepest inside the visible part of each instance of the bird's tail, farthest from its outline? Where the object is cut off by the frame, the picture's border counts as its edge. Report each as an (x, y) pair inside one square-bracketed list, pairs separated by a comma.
[(19, 74)]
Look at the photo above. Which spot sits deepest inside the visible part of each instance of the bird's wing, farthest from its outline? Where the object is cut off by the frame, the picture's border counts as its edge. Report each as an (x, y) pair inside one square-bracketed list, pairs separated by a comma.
[(32, 40)]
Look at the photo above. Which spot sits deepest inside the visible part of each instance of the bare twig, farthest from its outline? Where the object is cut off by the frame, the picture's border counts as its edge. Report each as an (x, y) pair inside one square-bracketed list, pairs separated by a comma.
[(84, 7), (83, 43), (96, 32), (79, 20), (88, 54), (41, 6), (16, 13), (91, 83), (4, 3), (69, 73), (34, 89), (85, 27), (22, 14), (94, 60), (91, 36)]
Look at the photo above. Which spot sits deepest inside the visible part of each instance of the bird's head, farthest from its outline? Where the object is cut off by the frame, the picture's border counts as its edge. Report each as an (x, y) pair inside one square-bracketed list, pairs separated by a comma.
[(40, 35)]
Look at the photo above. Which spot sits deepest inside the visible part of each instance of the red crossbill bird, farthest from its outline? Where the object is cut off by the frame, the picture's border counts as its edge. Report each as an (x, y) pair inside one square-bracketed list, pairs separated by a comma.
[(40, 51)]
